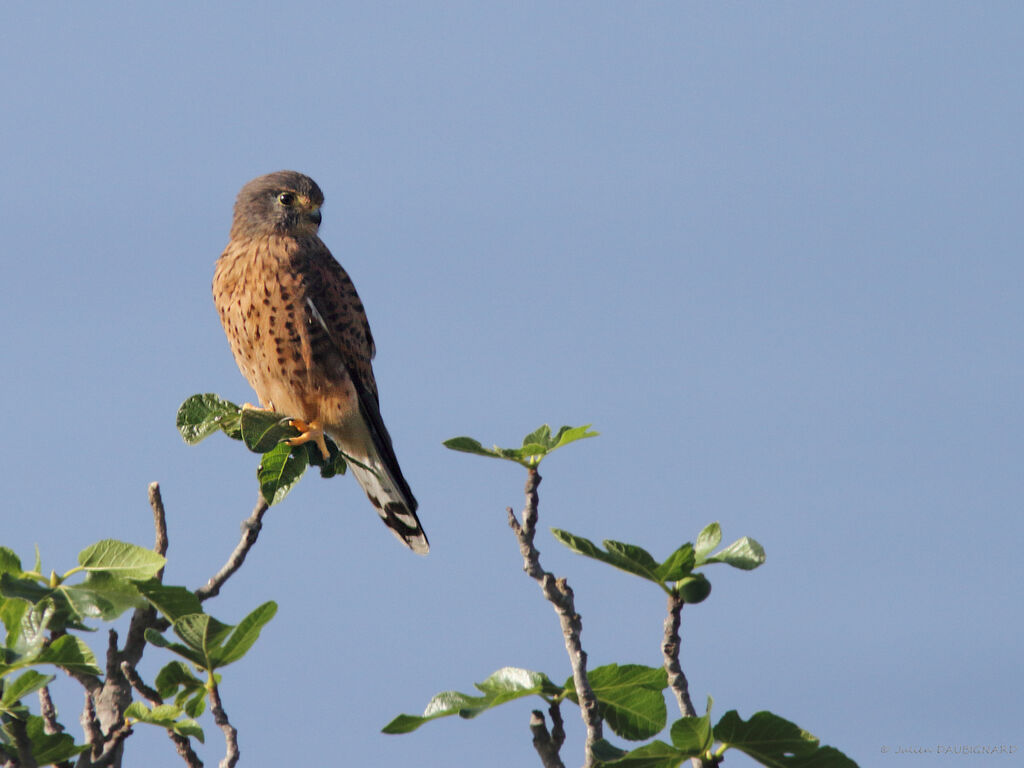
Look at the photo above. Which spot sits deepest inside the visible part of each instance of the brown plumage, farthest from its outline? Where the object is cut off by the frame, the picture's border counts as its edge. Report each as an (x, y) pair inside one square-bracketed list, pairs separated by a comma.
[(300, 336)]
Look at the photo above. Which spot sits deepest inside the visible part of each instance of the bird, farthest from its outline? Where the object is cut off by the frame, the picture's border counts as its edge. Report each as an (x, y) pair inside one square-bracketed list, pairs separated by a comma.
[(300, 336)]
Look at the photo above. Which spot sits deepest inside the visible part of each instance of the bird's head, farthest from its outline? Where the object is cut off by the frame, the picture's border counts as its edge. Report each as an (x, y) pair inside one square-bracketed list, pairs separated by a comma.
[(283, 203)]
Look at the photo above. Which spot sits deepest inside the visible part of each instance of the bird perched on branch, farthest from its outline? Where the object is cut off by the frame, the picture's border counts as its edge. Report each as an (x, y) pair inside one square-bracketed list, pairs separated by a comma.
[(300, 336)]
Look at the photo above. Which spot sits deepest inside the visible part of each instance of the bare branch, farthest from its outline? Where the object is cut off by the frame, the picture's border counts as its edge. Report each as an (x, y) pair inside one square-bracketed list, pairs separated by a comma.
[(559, 594), (139, 685), (144, 618), (543, 742), (676, 679), (670, 650), (250, 531), (557, 726), (48, 712), (184, 747), (230, 734), (156, 501), (115, 747), (91, 727), (181, 743)]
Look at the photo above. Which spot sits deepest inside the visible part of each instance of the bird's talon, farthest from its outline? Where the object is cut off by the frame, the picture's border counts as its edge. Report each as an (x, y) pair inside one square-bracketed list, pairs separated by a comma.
[(311, 432)]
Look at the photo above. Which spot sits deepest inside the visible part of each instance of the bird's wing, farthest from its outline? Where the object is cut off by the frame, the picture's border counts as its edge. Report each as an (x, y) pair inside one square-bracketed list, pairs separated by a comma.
[(336, 308)]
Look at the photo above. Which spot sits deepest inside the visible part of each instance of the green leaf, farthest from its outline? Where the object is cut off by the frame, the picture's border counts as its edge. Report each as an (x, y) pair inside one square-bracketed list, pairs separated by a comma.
[(469, 445), (9, 562), (540, 437), (777, 743), (122, 559), (202, 633), (657, 754), (245, 634), (677, 565), (71, 653), (707, 540), (262, 430), (28, 636), (172, 602), (568, 435), (103, 594), (202, 415), (631, 698), (633, 559), (333, 465), (506, 684), (626, 557), (692, 734), (23, 588), (536, 445), (604, 751), (279, 471), (175, 675), (26, 683), (196, 657), (164, 716), (744, 553), (50, 748), (11, 614)]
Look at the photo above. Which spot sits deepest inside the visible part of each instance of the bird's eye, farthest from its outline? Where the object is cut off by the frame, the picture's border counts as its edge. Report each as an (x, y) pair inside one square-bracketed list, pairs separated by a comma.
[(286, 198)]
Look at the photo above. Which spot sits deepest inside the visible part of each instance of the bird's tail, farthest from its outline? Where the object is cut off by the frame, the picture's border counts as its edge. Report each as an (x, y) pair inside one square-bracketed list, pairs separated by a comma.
[(389, 493)]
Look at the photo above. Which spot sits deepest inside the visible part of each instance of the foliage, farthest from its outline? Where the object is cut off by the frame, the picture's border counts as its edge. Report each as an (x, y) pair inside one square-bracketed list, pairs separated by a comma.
[(43, 614), (263, 432), (631, 697), (535, 447)]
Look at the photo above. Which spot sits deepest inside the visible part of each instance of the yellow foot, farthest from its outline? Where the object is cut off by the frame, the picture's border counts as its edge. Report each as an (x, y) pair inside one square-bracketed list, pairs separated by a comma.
[(311, 432)]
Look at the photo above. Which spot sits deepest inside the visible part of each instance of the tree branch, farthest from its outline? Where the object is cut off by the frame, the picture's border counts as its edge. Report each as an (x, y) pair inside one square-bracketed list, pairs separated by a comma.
[(91, 728), (670, 650), (559, 594), (230, 734), (545, 744), (48, 712), (676, 679), (250, 531)]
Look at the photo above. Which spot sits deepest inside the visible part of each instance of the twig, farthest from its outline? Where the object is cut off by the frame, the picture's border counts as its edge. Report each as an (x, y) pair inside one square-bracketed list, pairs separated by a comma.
[(144, 618), (156, 502), (139, 685), (559, 594), (181, 743), (670, 650), (112, 752), (48, 712), (250, 531), (220, 717), (184, 747), (676, 679), (544, 742), (91, 727), (557, 726)]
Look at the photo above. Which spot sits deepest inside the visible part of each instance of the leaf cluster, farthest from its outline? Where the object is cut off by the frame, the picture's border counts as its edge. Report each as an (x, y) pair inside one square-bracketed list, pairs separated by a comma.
[(631, 697), (263, 432), (535, 447), (42, 615), (676, 574), (633, 706)]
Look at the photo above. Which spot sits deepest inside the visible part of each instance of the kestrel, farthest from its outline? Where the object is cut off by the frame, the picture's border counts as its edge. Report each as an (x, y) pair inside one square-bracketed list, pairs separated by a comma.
[(300, 336)]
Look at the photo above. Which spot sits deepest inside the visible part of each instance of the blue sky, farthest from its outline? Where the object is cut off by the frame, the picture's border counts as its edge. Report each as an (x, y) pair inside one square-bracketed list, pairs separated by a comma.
[(770, 250)]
